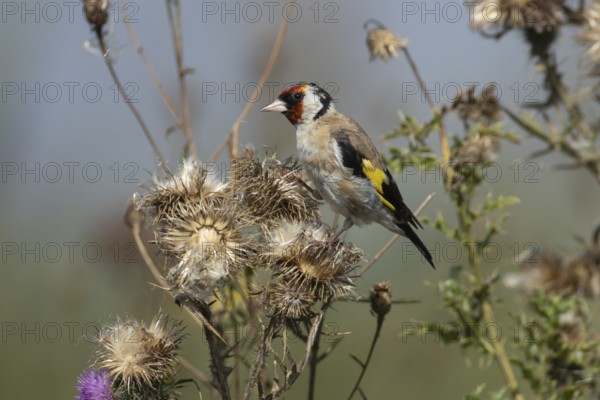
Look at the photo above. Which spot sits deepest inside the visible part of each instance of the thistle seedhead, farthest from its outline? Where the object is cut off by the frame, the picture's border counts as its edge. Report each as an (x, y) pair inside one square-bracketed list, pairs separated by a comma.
[(384, 44), (96, 12), (167, 197), (208, 247), (484, 107), (555, 275), (503, 15), (288, 301), (269, 194), (137, 358), (317, 267), (590, 35)]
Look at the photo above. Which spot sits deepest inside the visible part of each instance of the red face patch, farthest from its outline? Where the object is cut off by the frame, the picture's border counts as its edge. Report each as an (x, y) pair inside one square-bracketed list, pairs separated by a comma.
[(293, 97)]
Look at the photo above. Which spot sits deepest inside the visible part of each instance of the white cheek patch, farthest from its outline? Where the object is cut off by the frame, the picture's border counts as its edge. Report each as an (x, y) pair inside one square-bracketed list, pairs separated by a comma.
[(311, 106)]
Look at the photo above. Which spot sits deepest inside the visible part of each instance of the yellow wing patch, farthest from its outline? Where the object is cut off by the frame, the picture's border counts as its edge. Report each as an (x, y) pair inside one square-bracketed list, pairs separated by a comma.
[(377, 177)]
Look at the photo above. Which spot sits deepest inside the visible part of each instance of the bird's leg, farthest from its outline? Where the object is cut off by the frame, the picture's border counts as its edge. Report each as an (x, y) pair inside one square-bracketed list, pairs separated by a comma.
[(347, 225)]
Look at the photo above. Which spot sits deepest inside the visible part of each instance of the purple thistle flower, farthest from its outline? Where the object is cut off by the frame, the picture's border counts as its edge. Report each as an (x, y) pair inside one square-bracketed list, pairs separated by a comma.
[(94, 385)]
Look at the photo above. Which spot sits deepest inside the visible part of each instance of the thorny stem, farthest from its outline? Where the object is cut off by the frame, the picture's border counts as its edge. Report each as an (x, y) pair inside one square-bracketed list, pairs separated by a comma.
[(176, 33), (233, 137), (314, 361), (315, 331), (218, 368), (465, 223), (443, 136), (130, 104), (365, 365), (393, 239), (261, 354)]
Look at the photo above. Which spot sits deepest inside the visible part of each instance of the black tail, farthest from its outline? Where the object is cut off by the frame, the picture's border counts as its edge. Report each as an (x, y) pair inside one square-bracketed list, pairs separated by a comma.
[(410, 233)]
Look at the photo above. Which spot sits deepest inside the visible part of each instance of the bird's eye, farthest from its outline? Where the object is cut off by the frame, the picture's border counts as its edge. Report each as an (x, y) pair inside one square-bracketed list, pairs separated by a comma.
[(297, 96)]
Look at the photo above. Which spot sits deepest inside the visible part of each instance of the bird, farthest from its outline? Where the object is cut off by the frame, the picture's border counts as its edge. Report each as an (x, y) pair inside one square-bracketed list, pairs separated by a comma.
[(344, 165)]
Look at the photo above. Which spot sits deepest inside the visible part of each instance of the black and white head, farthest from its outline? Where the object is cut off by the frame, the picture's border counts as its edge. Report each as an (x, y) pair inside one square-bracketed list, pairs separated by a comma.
[(302, 103)]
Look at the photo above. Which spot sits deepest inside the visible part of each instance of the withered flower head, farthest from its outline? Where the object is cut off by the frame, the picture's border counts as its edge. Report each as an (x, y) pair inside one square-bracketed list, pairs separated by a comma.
[(315, 266), (269, 193), (191, 185), (381, 298), (287, 300), (137, 357), (208, 246), (475, 108), (503, 15), (578, 274), (590, 34), (383, 43), (96, 12), (282, 234), (476, 150)]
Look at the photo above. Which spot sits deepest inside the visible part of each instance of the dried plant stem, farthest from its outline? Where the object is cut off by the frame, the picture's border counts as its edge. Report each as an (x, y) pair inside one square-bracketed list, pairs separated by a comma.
[(314, 361), (393, 239), (365, 365), (176, 25), (218, 368), (443, 135), (233, 137), (161, 89), (261, 354), (297, 369), (128, 101), (135, 222)]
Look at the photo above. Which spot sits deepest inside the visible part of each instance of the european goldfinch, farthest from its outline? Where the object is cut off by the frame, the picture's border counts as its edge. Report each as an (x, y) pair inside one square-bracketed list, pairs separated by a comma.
[(344, 164)]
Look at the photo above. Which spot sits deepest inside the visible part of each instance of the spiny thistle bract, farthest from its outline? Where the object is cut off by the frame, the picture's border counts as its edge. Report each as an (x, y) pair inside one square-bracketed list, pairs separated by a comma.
[(140, 360), (288, 300), (192, 184), (208, 246), (268, 194), (317, 267)]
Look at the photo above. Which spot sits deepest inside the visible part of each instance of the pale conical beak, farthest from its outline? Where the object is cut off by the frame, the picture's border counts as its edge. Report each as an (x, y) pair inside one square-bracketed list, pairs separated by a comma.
[(276, 106)]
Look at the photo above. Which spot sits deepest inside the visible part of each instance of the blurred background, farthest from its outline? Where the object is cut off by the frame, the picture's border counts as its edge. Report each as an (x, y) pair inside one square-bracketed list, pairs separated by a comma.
[(72, 156)]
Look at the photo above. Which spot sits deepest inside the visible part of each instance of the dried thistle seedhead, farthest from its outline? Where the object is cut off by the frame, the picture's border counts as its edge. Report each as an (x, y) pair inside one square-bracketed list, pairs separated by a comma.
[(167, 197), (384, 44), (288, 301), (484, 107), (579, 274), (208, 247), (96, 12), (475, 150), (319, 268), (381, 298), (269, 194), (590, 35), (283, 234), (503, 15), (139, 359)]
